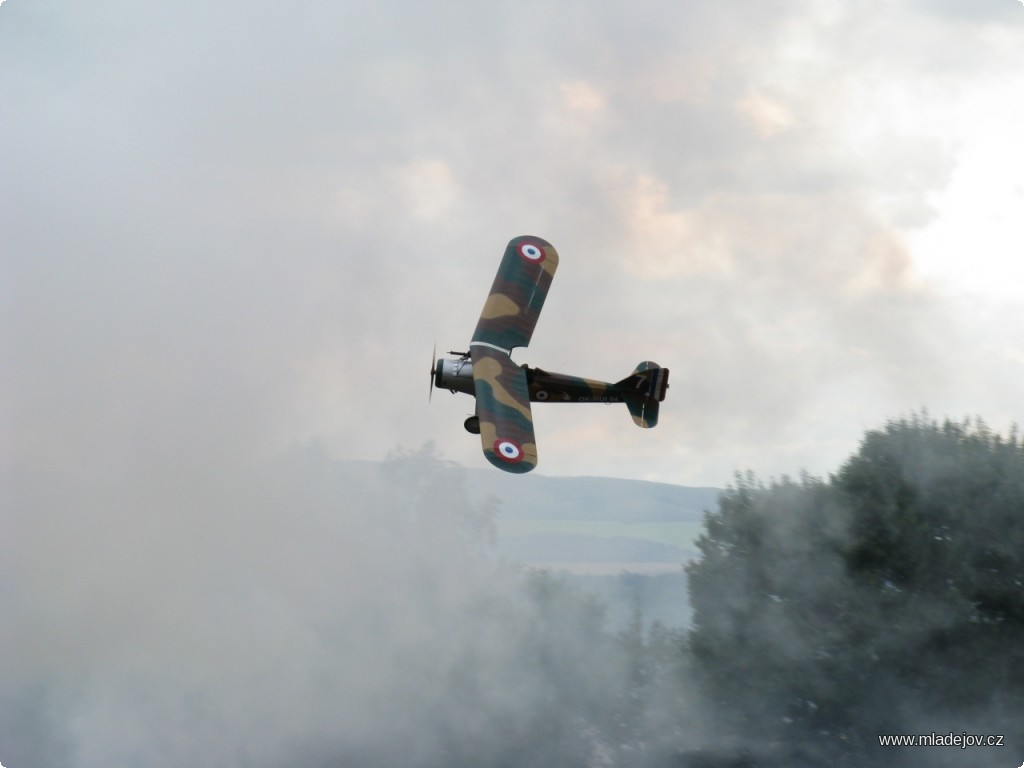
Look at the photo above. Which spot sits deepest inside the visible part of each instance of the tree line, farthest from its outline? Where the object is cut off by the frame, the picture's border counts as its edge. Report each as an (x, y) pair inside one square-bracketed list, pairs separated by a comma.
[(885, 599)]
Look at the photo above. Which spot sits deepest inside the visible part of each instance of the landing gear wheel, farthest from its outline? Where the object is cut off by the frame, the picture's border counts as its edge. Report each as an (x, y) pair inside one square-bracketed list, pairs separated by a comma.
[(472, 425)]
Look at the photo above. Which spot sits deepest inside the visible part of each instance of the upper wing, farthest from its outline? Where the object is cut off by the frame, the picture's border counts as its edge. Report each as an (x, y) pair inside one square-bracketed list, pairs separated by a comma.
[(517, 295), (503, 407)]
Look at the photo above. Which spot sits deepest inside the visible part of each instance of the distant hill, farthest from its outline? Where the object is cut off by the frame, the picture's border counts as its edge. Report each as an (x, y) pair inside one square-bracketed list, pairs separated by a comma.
[(575, 548), (594, 525), (591, 525), (623, 540), (590, 498)]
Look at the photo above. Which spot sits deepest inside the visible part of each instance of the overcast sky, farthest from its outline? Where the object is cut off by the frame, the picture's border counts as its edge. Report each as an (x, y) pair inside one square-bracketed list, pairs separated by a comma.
[(234, 228)]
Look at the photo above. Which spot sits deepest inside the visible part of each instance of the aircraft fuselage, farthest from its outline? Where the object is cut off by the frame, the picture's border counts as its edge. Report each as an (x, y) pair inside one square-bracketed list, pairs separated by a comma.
[(544, 386)]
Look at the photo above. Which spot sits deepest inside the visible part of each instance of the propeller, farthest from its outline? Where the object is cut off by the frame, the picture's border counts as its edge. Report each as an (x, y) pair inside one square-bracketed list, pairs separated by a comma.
[(433, 372)]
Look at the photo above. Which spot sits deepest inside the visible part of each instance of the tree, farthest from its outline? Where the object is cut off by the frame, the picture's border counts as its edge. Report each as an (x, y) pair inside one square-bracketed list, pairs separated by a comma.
[(888, 599)]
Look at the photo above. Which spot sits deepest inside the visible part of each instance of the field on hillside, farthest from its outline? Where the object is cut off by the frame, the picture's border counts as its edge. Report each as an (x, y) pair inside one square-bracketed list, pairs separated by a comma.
[(680, 534)]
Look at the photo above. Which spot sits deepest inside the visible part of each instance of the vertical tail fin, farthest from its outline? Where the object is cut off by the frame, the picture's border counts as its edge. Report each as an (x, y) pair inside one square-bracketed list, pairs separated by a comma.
[(642, 391)]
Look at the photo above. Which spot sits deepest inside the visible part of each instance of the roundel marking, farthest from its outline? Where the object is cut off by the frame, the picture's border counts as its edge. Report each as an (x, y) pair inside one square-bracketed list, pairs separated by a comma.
[(507, 450), (542, 394), (531, 252)]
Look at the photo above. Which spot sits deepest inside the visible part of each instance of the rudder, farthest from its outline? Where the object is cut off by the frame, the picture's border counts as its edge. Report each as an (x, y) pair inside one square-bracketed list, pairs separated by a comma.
[(642, 391)]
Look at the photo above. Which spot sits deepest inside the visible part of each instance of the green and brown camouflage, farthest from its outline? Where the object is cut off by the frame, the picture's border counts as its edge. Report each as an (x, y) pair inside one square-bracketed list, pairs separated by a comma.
[(507, 321), (644, 388), (517, 295), (503, 410), (504, 390)]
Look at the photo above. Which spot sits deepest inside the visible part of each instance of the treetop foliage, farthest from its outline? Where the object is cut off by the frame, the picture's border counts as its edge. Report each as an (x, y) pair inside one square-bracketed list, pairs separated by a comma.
[(889, 598)]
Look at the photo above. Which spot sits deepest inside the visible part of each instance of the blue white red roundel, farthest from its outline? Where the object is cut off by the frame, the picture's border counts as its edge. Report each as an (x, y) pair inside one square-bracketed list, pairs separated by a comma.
[(531, 252), (507, 450)]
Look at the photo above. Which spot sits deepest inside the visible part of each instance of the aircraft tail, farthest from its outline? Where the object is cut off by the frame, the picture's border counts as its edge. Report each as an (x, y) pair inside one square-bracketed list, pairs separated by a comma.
[(642, 391)]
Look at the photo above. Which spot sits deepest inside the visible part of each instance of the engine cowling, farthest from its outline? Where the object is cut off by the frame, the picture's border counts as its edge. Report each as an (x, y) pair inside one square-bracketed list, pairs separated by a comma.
[(456, 375)]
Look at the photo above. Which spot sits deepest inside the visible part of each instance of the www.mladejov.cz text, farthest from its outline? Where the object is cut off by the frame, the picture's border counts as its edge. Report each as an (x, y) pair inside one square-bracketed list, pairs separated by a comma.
[(962, 740)]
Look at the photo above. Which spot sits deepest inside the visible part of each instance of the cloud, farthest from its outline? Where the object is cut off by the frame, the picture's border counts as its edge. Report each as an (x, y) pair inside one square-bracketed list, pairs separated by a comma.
[(250, 227), (431, 188), (768, 116)]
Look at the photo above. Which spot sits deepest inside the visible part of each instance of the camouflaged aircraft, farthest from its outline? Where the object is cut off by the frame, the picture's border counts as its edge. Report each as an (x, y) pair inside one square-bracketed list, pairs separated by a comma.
[(504, 390)]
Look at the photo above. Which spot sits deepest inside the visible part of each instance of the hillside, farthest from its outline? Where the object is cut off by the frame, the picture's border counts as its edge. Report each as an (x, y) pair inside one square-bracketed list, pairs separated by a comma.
[(594, 525), (624, 541)]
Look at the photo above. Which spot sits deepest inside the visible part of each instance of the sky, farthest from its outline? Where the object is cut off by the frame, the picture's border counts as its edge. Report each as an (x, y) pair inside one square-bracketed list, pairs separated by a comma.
[(238, 229)]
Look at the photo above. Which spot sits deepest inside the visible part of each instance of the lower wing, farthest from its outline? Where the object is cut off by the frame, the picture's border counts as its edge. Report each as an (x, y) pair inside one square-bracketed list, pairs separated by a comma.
[(503, 406)]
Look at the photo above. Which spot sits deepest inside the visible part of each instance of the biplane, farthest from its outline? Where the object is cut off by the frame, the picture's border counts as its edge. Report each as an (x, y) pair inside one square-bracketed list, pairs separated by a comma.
[(504, 390)]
